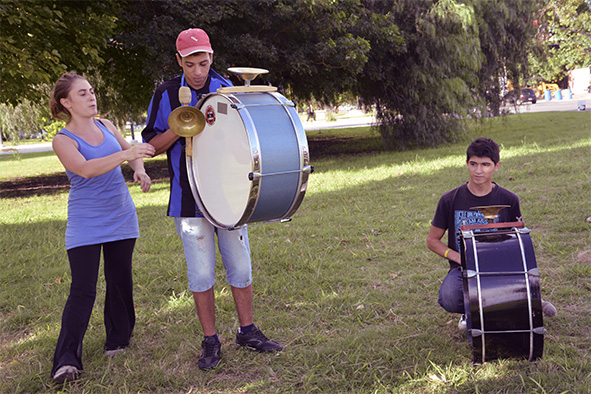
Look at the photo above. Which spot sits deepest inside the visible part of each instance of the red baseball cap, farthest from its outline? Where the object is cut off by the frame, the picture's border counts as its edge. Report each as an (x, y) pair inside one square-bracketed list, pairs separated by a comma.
[(191, 41)]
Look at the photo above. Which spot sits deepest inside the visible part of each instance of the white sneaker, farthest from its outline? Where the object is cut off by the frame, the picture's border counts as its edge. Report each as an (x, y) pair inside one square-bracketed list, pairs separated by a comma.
[(114, 352), (66, 373), (462, 323), (548, 309)]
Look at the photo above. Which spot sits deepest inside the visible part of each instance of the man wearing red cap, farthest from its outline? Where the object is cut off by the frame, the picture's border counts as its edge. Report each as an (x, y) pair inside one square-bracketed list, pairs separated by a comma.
[(194, 56)]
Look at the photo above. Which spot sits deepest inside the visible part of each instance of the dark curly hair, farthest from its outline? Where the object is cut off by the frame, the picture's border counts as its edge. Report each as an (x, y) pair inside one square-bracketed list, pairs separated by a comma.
[(483, 147)]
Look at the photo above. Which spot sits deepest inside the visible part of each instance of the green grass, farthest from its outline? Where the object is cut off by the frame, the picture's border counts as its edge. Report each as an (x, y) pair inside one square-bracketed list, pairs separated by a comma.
[(349, 285)]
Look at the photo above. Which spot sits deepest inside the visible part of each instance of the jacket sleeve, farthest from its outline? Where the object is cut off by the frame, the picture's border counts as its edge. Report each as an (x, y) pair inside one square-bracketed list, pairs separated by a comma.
[(158, 113)]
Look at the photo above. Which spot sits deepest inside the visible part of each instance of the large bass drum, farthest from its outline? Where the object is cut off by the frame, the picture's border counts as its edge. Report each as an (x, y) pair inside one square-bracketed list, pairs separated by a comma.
[(501, 293), (251, 161)]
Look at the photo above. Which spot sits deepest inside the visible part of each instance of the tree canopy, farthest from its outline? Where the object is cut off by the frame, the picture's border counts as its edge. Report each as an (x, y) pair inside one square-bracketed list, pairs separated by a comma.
[(423, 64), (43, 39), (563, 38)]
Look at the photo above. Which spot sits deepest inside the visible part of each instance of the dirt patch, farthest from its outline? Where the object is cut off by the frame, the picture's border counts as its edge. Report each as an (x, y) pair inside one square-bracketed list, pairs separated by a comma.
[(57, 183)]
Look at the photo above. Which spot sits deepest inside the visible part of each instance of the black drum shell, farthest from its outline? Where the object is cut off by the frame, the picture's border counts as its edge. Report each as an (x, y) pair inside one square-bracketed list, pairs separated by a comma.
[(503, 302)]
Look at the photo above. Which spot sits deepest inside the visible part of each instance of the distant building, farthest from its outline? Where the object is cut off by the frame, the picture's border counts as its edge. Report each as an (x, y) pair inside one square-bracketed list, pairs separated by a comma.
[(579, 79)]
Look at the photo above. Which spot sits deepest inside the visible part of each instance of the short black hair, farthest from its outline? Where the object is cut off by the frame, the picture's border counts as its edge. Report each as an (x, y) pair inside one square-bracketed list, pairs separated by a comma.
[(483, 147)]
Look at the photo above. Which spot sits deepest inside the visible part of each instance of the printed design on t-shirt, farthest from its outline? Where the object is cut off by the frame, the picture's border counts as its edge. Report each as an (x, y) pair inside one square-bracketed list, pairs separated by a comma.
[(466, 218)]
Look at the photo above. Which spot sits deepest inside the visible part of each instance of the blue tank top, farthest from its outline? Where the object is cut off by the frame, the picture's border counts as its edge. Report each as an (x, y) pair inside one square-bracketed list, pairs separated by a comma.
[(100, 209)]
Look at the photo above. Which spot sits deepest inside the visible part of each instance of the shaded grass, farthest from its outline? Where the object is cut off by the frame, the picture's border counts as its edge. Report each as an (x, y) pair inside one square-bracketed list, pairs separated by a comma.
[(348, 285)]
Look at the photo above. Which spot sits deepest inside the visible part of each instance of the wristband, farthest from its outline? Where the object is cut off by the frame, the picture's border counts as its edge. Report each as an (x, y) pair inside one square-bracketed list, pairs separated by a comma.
[(446, 252)]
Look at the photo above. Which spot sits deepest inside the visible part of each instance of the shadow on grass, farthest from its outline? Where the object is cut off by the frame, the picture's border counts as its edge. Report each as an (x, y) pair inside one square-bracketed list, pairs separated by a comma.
[(45, 185), (157, 169), (348, 285)]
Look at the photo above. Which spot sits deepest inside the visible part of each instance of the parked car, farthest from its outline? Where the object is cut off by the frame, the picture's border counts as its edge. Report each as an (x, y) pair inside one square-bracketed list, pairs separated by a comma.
[(519, 96)]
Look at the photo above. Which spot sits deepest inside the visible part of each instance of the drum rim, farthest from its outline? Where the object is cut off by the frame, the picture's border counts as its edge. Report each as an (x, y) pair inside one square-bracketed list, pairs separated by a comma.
[(302, 149), (252, 197)]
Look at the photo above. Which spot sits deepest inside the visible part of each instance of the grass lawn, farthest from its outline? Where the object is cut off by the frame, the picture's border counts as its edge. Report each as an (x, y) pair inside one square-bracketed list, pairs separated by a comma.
[(348, 286)]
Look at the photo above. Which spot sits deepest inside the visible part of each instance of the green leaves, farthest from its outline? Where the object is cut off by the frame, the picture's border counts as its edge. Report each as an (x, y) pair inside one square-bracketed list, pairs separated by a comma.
[(419, 62), (43, 39), (564, 38)]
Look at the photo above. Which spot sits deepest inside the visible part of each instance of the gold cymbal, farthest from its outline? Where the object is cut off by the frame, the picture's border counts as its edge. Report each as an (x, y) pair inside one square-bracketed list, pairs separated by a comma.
[(247, 73), (186, 121), (490, 211)]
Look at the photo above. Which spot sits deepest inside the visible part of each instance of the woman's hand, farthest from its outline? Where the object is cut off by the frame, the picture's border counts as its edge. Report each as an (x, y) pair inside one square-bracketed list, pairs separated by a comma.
[(140, 151), (144, 179)]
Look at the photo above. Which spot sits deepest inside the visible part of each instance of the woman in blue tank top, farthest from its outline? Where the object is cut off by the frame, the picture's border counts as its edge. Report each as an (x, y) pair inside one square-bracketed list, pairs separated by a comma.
[(101, 216)]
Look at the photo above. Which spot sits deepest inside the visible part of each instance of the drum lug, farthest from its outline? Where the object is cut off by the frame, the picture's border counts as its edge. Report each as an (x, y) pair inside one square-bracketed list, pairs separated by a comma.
[(468, 234), (257, 175), (523, 230), (534, 272), (539, 330), (469, 273), (237, 106), (475, 332)]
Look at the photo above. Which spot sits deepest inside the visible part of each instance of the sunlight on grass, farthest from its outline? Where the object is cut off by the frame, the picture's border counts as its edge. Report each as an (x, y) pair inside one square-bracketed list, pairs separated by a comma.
[(178, 301), (535, 148), (449, 377), (43, 333), (335, 180), (330, 295), (184, 299)]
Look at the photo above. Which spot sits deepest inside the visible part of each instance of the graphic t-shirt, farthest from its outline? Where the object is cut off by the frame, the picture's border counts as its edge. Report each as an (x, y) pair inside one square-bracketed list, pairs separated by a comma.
[(453, 211)]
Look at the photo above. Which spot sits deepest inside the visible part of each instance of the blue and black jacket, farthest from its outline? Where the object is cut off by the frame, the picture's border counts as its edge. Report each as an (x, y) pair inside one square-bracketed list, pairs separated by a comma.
[(166, 98)]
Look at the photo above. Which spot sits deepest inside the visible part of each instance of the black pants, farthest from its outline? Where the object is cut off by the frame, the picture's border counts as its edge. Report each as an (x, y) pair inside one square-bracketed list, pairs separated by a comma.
[(119, 313)]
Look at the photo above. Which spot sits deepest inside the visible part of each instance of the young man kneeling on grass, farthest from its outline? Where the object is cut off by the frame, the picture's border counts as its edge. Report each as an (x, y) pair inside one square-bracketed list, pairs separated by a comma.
[(483, 160)]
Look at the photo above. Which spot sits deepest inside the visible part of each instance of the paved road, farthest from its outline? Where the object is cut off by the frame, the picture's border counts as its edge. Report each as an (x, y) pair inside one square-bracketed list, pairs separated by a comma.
[(540, 106), (316, 125), (554, 105)]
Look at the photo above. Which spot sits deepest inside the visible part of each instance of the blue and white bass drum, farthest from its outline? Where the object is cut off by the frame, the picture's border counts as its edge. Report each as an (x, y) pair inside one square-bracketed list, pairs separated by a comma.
[(251, 161)]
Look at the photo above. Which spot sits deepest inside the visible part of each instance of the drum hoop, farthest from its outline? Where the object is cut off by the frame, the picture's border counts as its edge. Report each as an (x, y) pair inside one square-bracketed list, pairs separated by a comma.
[(529, 300), (304, 153), (255, 152), (191, 176), (499, 225), (480, 308)]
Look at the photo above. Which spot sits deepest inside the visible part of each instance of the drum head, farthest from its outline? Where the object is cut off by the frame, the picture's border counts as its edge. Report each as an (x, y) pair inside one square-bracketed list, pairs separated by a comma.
[(221, 162)]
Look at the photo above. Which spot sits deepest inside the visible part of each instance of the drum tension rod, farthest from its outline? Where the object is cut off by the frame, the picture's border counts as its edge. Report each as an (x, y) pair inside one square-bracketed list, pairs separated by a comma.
[(256, 175), (284, 220)]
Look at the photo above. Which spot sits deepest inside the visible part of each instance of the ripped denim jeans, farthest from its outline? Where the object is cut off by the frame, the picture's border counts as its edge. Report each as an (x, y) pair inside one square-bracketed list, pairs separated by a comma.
[(198, 237)]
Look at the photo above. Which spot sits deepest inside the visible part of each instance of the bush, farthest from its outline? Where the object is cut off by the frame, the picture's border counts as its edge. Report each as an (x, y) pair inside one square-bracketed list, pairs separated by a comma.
[(53, 128)]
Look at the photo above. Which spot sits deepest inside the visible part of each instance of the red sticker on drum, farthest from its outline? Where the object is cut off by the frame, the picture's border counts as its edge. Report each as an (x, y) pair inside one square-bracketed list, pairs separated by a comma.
[(210, 115)]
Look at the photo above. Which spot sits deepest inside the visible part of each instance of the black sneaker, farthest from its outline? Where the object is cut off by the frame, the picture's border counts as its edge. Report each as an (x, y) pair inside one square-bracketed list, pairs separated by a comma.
[(256, 340), (211, 350)]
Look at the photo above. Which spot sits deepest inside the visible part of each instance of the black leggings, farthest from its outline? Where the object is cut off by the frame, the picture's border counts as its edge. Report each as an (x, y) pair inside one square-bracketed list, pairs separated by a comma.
[(119, 313)]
